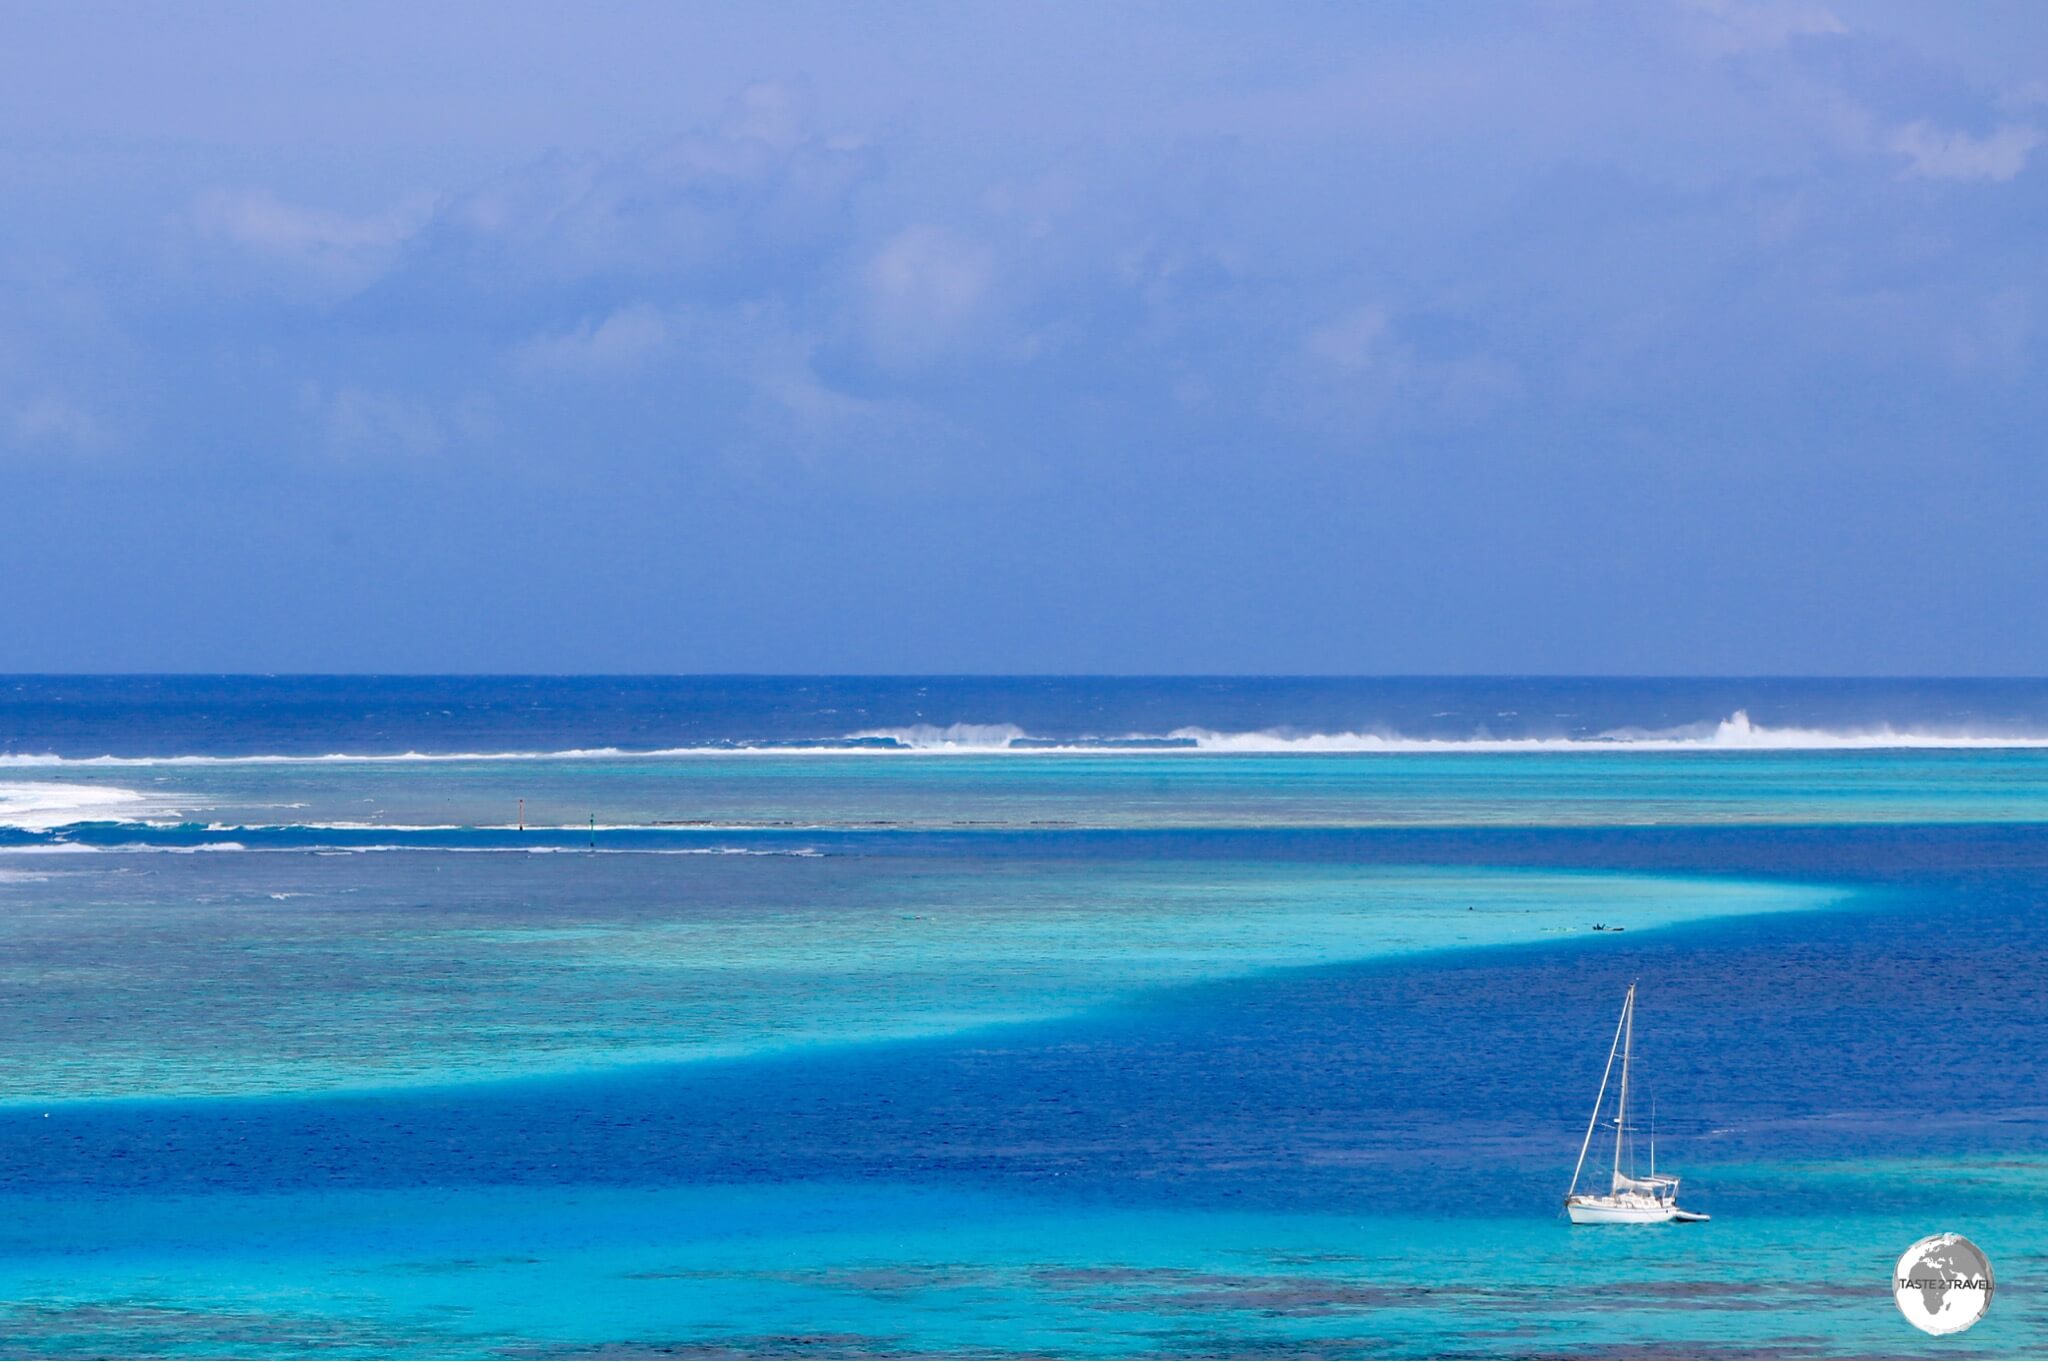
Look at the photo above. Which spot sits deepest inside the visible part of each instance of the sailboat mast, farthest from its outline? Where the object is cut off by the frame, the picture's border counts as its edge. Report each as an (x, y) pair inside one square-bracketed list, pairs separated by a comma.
[(1594, 1120), (1628, 1041)]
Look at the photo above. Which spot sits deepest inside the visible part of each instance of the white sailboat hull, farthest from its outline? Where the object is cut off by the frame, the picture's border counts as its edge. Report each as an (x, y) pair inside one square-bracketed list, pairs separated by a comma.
[(1601, 1211)]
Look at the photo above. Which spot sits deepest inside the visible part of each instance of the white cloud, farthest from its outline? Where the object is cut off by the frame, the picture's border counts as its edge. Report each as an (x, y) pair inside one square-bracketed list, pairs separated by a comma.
[(924, 286), (758, 192), (791, 417), (795, 414), (2030, 94), (1993, 336), (365, 423), (50, 420), (1356, 341), (620, 343), (260, 220), (1727, 27), (1356, 376), (1936, 155), (341, 250), (774, 113)]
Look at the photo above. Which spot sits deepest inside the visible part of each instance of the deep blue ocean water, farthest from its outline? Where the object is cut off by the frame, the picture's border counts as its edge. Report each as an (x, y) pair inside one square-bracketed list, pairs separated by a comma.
[(984, 1016)]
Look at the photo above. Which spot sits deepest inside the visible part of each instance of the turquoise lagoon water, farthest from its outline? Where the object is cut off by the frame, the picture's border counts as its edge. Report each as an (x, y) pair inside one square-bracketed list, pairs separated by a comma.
[(1005, 1051), (216, 973), (882, 1268), (1010, 790)]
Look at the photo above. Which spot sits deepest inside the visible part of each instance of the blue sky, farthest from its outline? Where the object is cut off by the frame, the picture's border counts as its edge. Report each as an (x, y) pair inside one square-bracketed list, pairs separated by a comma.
[(1362, 338)]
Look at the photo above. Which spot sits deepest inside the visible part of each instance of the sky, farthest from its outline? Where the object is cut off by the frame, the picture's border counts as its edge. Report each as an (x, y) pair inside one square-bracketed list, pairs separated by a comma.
[(1546, 338)]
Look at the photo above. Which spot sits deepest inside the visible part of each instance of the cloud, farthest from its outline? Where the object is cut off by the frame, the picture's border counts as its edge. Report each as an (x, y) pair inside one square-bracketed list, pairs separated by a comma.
[(49, 420), (1728, 27), (924, 286), (1358, 375), (795, 415), (1995, 336), (569, 265), (361, 424), (340, 250), (71, 374), (260, 220), (619, 343), (1550, 211), (757, 193), (756, 198), (1936, 155), (1357, 341)]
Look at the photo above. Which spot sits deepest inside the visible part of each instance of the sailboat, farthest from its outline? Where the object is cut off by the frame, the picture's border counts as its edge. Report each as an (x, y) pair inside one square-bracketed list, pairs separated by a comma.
[(1629, 1200)]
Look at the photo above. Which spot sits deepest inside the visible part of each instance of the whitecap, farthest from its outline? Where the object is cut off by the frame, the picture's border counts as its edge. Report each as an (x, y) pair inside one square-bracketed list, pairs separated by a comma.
[(42, 805), (1736, 732)]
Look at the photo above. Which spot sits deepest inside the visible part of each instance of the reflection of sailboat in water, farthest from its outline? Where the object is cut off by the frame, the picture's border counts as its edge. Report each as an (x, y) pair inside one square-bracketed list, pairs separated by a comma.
[(1629, 1200)]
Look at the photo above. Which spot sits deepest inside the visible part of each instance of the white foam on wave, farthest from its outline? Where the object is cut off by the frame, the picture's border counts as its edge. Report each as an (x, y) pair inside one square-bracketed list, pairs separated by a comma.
[(357, 825), (36, 759), (539, 849), (802, 853), (535, 849), (120, 848), (1737, 732), (41, 805), (951, 738), (544, 849)]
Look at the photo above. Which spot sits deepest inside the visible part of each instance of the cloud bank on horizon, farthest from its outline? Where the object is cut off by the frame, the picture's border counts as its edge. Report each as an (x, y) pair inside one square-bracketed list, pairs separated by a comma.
[(1700, 337)]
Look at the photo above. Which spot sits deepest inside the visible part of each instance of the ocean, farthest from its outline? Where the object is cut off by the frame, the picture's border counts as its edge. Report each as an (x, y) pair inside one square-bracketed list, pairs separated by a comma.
[(977, 1016)]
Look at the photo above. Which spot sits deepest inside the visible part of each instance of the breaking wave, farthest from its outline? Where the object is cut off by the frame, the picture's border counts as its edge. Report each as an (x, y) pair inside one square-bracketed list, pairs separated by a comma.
[(319, 848), (1738, 733), (123, 848), (34, 759), (951, 738), (39, 806)]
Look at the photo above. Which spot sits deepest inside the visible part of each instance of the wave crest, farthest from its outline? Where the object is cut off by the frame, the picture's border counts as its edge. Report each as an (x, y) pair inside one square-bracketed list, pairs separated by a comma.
[(1737, 732), (953, 737), (41, 805)]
